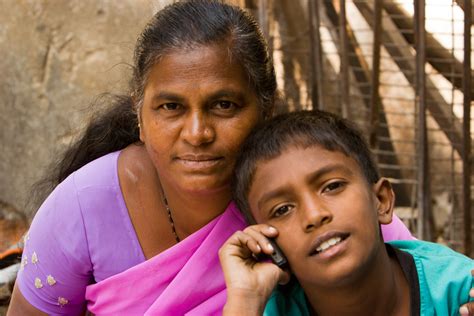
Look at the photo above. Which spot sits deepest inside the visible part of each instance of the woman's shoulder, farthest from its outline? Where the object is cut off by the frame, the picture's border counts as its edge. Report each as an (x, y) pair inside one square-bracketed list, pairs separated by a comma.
[(134, 163), (99, 172)]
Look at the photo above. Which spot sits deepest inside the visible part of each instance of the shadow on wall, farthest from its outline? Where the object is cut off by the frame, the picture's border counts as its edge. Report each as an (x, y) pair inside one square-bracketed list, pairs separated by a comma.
[(56, 57)]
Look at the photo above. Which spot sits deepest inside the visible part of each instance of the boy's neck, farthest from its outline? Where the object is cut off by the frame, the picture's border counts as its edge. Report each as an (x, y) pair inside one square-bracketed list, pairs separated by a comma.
[(381, 289)]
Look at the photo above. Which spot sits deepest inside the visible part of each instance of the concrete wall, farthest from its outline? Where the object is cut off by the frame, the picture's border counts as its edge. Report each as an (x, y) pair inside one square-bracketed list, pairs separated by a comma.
[(56, 56)]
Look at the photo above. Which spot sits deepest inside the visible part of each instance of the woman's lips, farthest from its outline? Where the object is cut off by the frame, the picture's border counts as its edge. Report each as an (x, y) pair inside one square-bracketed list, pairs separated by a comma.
[(198, 162)]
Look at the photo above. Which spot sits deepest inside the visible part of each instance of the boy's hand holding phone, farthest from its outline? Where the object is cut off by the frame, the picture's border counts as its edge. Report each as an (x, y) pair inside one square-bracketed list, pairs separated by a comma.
[(249, 282)]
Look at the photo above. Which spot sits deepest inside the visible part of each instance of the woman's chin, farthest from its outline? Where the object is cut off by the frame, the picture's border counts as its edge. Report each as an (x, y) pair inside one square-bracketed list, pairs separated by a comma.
[(204, 186)]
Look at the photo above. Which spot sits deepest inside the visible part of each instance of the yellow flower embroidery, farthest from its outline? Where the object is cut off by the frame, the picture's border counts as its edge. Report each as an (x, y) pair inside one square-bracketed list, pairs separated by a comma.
[(24, 262), (38, 283), (51, 281), (26, 238), (34, 258), (62, 301)]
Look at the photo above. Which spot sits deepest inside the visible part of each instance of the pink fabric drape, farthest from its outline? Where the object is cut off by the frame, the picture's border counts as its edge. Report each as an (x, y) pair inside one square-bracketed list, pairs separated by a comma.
[(186, 279)]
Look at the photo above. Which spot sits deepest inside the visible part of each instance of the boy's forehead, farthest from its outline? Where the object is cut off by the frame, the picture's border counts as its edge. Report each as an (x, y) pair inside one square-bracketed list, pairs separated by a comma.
[(297, 163)]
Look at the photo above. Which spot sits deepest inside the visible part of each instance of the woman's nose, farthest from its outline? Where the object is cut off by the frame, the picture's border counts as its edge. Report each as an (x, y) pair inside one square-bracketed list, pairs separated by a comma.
[(197, 130)]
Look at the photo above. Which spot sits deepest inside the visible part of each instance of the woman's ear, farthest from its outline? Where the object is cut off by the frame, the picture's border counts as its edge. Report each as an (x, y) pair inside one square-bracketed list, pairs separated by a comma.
[(137, 110), (385, 200)]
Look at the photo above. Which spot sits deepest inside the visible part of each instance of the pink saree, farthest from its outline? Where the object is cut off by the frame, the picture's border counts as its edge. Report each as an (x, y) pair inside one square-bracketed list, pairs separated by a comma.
[(186, 279)]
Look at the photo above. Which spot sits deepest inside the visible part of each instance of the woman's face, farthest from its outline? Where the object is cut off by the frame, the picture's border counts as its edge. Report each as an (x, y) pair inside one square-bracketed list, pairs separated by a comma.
[(198, 108)]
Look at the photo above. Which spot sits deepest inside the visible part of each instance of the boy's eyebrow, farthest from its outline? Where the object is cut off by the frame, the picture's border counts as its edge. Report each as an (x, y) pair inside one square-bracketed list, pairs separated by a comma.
[(312, 177), (272, 194), (328, 169)]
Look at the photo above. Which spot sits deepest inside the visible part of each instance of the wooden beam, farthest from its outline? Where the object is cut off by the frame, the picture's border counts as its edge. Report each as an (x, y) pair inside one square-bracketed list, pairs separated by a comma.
[(316, 55), (375, 80), (263, 18), (344, 57), (461, 4), (404, 57), (436, 54), (425, 222), (466, 153), (361, 73)]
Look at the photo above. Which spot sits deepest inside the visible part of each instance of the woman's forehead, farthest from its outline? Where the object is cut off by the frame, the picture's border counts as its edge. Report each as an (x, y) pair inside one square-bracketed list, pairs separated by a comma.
[(205, 68), (216, 58)]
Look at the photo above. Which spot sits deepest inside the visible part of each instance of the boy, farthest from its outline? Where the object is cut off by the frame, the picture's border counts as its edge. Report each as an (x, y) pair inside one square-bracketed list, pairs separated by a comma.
[(309, 179)]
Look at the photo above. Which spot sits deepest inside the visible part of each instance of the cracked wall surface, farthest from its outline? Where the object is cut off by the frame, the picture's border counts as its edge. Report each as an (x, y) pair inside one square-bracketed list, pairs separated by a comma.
[(56, 57)]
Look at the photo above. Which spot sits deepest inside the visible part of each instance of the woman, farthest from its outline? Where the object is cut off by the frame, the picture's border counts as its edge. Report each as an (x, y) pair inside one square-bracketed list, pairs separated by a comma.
[(143, 201)]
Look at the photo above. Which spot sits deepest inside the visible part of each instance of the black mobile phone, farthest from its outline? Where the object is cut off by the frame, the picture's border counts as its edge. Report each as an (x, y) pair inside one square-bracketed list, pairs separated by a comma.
[(277, 256)]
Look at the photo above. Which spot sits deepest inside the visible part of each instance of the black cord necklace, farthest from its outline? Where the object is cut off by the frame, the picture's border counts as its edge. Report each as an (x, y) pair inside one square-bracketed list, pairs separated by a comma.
[(170, 218)]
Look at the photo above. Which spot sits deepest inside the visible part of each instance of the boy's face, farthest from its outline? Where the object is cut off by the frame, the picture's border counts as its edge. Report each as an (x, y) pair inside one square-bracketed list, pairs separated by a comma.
[(326, 213)]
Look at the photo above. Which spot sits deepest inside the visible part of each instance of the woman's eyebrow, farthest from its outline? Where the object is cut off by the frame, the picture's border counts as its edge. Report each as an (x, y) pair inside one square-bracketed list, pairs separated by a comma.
[(224, 93), (170, 96), (228, 93)]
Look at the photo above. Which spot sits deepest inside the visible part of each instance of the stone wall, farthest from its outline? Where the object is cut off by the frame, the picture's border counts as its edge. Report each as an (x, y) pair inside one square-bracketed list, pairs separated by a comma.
[(56, 57)]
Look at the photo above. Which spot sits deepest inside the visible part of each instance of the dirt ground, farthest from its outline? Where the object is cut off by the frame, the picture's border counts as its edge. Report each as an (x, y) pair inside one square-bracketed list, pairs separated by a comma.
[(11, 230)]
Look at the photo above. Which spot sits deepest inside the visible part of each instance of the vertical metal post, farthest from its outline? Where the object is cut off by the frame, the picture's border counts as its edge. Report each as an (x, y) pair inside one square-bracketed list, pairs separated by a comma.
[(374, 93), (262, 17), (317, 97), (424, 198), (466, 153), (344, 71)]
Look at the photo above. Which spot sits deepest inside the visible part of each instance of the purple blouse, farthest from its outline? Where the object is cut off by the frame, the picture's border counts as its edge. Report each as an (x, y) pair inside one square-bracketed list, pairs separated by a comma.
[(82, 234)]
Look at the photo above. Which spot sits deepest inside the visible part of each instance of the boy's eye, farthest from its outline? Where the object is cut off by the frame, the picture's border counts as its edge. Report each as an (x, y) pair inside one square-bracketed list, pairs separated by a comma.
[(282, 210), (333, 186)]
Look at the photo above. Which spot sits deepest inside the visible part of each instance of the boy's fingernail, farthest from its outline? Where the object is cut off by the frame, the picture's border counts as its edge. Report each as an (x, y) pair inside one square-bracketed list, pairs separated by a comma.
[(464, 311), (272, 229), (270, 247), (259, 248)]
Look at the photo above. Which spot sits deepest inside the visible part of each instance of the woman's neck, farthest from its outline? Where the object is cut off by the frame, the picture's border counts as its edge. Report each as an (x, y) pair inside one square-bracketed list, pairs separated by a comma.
[(193, 210), (380, 289)]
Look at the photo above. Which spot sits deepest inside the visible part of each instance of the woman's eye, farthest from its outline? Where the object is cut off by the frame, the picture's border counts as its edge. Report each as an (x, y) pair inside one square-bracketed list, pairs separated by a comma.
[(171, 106), (282, 210), (224, 105), (333, 186)]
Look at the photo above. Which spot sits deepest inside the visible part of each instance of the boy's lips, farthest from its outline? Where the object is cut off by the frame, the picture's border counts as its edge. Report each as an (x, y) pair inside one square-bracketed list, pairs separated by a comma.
[(327, 241)]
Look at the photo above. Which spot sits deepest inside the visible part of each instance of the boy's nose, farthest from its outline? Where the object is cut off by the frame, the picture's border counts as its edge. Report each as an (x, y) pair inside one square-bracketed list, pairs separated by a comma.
[(315, 215), (197, 130)]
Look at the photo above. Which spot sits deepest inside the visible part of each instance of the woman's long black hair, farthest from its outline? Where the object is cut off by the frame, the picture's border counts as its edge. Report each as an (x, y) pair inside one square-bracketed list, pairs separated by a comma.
[(182, 25)]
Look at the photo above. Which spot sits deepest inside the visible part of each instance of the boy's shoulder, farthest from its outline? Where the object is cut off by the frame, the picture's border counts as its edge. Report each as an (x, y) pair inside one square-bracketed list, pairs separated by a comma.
[(287, 300), (444, 276), (426, 249)]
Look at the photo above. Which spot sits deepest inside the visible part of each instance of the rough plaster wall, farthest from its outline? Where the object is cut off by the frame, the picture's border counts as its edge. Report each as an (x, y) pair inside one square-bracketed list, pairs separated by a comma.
[(56, 57)]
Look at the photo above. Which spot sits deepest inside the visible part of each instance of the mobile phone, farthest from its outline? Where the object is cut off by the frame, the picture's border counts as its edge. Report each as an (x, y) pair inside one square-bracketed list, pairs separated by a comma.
[(277, 256)]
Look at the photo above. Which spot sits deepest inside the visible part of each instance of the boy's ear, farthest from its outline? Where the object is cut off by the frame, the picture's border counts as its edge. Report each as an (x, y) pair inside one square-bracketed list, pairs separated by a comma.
[(385, 200)]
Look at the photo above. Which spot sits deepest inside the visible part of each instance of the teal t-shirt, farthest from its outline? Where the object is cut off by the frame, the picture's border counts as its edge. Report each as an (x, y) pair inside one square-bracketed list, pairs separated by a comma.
[(444, 278)]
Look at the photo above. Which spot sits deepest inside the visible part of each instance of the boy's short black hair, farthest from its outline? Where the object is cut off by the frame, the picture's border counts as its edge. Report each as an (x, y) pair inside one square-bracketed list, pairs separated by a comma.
[(302, 129)]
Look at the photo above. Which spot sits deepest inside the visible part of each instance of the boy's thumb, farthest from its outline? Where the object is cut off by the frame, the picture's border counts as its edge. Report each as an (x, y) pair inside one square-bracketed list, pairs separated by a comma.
[(284, 277)]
